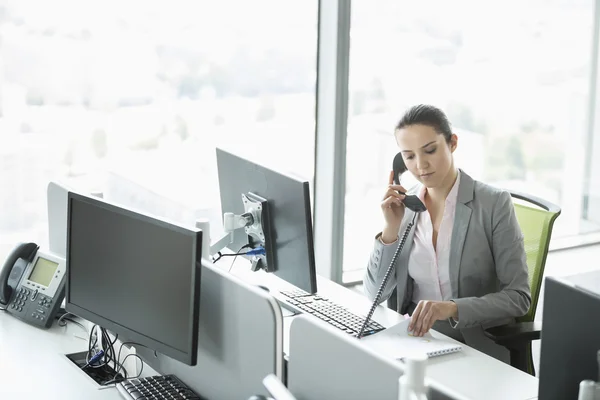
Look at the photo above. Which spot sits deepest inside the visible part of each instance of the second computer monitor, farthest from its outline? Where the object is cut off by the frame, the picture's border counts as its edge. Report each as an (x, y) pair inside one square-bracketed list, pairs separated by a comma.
[(289, 223)]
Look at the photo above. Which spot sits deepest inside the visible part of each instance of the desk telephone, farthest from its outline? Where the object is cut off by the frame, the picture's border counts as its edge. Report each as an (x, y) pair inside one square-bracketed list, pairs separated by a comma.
[(32, 284), (411, 202)]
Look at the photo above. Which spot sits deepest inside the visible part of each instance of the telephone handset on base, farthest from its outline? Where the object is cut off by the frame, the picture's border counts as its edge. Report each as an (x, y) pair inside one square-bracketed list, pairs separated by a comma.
[(32, 284), (411, 202)]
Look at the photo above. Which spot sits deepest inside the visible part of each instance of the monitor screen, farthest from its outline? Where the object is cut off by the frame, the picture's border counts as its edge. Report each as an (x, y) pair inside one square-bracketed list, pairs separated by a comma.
[(289, 215), (134, 275)]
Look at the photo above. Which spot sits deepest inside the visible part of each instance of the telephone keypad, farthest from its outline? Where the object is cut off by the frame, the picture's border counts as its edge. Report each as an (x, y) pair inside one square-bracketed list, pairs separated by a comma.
[(20, 301), (44, 303)]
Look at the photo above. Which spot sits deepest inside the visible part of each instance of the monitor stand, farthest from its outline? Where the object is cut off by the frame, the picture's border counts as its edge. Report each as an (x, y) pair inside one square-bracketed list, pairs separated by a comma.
[(100, 375)]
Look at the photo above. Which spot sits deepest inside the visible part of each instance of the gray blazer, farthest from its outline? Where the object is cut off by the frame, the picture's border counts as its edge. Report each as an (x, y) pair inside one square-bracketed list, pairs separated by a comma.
[(488, 268)]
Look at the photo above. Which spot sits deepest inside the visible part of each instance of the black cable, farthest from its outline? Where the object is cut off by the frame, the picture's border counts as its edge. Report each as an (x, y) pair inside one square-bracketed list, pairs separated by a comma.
[(125, 376), (108, 345), (63, 322), (233, 254), (134, 343), (105, 344), (237, 254), (221, 255), (122, 367), (122, 364), (91, 345), (387, 275)]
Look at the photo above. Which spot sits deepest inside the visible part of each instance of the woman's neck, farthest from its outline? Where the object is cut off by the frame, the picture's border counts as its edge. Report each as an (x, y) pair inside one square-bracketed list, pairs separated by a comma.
[(438, 194)]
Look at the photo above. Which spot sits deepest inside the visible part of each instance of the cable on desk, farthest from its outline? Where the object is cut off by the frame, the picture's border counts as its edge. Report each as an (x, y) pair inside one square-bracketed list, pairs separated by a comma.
[(122, 367), (122, 363), (63, 318), (107, 346), (107, 353)]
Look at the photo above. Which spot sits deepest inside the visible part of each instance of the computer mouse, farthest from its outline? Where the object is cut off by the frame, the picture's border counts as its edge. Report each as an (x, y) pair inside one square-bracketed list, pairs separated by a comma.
[(263, 287), (258, 397)]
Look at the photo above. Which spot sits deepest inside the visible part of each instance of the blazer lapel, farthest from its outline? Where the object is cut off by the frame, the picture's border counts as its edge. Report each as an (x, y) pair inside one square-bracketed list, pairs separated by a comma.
[(462, 217)]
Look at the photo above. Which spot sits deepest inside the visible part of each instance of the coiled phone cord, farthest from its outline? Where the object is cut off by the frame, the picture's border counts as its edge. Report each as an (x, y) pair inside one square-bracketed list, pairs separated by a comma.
[(386, 277)]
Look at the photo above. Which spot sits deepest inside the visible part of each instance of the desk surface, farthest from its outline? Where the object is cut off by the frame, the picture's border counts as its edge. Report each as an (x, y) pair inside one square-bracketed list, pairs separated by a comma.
[(470, 372), (33, 362)]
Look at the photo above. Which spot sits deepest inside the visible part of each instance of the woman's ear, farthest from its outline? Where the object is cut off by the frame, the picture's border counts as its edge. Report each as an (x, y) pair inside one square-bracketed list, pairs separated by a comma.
[(453, 142)]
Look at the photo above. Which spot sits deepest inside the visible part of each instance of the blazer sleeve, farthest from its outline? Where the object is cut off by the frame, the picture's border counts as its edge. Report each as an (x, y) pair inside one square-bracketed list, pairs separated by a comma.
[(514, 298), (379, 261)]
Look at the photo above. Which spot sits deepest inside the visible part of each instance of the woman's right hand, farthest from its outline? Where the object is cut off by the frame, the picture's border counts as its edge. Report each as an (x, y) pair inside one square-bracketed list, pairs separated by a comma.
[(393, 210)]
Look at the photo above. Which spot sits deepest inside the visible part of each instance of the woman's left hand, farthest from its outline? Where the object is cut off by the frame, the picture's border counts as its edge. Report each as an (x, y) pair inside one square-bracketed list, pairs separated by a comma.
[(427, 312)]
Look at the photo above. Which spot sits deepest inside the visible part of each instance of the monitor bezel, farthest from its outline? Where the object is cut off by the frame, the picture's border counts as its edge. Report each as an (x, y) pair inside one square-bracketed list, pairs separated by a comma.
[(225, 156), (188, 357)]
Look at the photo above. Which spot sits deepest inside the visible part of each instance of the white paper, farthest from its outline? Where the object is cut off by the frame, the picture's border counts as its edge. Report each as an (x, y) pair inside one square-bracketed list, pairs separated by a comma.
[(397, 342)]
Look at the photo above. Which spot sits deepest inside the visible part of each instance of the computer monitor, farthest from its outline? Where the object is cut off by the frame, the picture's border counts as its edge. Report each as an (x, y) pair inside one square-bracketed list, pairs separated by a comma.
[(134, 275), (240, 339), (571, 335), (286, 216)]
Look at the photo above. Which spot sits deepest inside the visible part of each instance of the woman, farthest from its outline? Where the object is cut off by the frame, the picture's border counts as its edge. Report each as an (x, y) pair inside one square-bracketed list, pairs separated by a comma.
[(463, 267)]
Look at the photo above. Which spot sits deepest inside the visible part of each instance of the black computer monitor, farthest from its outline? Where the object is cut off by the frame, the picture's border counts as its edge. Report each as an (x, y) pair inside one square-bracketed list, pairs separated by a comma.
[(134, 275), (570, 339), (286, 218)]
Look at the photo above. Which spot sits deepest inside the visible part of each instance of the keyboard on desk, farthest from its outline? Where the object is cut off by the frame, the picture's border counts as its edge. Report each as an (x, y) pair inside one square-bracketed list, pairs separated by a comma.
[(156, 387), (330, 312)]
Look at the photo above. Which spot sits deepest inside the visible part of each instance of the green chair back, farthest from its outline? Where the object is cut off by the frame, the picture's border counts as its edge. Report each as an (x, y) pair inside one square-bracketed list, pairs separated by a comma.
[(536, 218)]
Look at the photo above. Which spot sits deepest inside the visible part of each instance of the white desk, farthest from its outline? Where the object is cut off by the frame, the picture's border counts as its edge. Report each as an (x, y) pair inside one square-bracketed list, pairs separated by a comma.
[(33, 363), (470, 372)]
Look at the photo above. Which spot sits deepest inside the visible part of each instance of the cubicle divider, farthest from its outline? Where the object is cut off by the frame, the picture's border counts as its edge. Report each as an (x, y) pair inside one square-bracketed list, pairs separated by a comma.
[(240, 339), (325, 363)]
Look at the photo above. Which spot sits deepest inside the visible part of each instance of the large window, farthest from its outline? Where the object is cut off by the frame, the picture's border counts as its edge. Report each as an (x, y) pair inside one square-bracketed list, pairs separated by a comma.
[(130, 98), (514, 79)]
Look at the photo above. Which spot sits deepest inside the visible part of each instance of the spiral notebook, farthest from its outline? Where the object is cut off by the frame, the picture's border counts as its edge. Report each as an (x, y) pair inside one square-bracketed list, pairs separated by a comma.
[(398, 343)]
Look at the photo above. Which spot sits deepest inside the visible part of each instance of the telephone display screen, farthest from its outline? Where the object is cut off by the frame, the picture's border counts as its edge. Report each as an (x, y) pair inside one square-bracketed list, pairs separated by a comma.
[(43, 271)]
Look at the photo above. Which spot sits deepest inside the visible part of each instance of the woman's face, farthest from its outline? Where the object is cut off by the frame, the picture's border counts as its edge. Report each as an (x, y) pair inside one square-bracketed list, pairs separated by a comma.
[(426, 153)]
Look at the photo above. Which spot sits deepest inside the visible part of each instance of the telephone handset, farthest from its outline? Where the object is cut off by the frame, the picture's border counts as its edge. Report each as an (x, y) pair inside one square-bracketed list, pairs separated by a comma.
[(411, 202), (32, 284)]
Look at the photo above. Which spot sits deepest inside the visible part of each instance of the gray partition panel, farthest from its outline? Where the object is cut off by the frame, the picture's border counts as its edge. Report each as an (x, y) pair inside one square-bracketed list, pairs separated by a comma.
[(57, 198), (240, 339), (325, 363)]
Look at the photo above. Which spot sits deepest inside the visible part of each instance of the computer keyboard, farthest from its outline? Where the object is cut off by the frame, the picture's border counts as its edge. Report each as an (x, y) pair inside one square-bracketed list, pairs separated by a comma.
[(330, 312), (156, 387)]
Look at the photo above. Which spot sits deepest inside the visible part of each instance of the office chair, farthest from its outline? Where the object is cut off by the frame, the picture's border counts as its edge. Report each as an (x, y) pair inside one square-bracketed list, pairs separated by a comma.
[(536, 218)]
